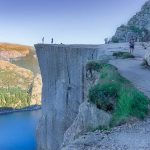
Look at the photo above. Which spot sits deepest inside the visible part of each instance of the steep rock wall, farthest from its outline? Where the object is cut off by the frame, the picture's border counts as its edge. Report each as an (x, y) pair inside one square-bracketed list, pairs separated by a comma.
[(63, 72)]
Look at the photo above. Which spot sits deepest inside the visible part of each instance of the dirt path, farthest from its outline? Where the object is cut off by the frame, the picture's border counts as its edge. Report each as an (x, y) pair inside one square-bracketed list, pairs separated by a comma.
[(133, 71)]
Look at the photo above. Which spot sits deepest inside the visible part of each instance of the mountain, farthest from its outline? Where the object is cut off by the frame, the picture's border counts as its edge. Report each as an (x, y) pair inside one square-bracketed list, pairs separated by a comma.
[(20, 79), (137, 27)]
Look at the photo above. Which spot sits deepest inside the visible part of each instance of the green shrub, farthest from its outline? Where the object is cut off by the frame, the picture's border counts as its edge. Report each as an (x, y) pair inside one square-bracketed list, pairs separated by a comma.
[(93, 65), (115, 39), (123, 55), (104, 95), (135, 29)]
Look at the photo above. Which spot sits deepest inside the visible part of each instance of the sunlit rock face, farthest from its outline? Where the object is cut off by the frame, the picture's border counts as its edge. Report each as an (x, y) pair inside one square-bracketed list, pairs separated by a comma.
[(63, 75)]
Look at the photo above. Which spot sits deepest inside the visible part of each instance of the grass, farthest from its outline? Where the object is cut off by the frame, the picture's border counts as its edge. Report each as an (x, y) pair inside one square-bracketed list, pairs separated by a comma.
[(123, 55), (117, 95)]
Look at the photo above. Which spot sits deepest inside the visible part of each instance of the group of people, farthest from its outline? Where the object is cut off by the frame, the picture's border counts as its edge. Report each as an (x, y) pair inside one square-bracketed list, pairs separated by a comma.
[(52, 40)]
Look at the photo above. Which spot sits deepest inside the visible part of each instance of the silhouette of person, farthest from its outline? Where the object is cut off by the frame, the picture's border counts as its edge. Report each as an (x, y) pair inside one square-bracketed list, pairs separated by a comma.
[(43, 40), (52, 41), (131, 44)]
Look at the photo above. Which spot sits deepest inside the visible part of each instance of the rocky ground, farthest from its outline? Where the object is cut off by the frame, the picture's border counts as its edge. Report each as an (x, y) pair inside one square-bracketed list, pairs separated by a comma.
[(134, 135)]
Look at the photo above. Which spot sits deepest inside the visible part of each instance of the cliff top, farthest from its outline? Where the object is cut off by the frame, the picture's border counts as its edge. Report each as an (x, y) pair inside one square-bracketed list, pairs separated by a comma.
[(69, 45)]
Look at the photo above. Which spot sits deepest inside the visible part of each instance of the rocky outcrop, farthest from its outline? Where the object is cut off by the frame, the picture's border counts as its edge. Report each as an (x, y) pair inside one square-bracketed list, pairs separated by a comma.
[(137, 27), (88, 119), (36, 90), (63, 71), (147, 58)]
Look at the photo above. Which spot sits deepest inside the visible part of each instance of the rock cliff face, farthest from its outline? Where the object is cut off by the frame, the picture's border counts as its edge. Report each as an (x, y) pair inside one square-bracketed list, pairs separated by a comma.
[(137, 27), (63, 71), (147, 57), (88, 119)]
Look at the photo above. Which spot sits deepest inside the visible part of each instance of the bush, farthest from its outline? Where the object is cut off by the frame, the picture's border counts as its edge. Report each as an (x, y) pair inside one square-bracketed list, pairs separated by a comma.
[(115, 39), (93, 65), (104, 96), (135, 29), (123, 55)]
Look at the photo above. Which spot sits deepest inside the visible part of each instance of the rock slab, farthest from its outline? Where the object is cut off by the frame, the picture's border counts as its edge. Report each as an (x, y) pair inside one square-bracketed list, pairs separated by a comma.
[(63, 71), (88, 119)]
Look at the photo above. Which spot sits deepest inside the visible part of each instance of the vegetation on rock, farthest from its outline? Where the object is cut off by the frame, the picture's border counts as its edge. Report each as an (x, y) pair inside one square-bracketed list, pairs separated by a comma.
[(123, 55), (17, 86), (117, 95)]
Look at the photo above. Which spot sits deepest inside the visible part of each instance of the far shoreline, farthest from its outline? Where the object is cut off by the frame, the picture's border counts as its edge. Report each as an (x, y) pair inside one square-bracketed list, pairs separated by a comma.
[(4, 111)]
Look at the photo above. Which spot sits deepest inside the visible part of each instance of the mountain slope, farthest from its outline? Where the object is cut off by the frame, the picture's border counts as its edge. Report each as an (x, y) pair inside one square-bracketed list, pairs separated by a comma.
[(20, 79), (137, 27)]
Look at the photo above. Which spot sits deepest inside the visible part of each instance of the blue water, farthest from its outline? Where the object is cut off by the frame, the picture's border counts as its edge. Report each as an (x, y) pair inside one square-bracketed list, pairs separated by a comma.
[(18, 130)]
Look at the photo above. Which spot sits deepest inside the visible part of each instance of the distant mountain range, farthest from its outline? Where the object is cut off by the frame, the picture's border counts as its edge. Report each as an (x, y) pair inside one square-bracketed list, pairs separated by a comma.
[(138, 27)]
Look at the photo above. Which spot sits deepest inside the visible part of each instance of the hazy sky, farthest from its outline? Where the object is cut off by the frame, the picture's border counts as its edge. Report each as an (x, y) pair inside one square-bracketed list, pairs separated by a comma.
[(67, 21)]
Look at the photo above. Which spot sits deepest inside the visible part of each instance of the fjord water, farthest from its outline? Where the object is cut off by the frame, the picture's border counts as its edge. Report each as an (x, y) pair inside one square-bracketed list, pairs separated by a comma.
[(18, 130)]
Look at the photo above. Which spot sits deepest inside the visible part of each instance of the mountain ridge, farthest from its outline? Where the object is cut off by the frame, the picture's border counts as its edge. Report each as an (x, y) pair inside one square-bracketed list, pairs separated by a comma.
[(138, 27)]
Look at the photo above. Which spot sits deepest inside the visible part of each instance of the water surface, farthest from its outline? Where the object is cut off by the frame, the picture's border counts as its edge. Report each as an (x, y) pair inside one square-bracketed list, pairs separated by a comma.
[(18, 130)]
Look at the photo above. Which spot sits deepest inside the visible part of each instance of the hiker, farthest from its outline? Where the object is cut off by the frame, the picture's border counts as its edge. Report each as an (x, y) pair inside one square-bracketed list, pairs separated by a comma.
[(132, 44), (52, 41), (43, 40)]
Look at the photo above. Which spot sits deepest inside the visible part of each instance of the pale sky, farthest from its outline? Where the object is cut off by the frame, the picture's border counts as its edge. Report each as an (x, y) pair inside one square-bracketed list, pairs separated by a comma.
[(67, 21)]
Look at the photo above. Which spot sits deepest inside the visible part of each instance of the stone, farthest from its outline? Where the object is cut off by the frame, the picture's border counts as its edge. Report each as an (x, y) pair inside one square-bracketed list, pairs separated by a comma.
[(147, 57), (63, 70), (88, 119)]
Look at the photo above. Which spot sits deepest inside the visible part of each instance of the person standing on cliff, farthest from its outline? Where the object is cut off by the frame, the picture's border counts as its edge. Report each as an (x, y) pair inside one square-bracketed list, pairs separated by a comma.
[(52, 41), (43, 40), (131, 44)]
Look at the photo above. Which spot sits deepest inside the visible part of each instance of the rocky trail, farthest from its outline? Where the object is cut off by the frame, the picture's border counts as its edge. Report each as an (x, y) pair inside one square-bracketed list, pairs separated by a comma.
[(131, 136)]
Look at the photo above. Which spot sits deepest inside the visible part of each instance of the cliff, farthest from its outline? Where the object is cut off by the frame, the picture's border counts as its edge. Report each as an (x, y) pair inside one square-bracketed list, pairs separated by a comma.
[(18, 86), (63, 71), (137, 27), (20, 79)]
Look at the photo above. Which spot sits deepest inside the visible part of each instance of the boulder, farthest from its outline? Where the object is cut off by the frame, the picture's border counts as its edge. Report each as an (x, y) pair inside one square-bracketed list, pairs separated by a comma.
[(147, 57), (88, 119)]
